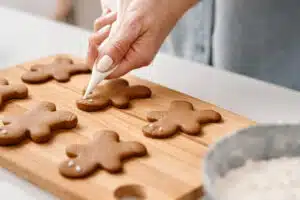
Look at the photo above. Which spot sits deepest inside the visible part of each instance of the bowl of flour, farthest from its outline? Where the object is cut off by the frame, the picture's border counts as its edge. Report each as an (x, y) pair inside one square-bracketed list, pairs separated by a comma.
[(261, 162)]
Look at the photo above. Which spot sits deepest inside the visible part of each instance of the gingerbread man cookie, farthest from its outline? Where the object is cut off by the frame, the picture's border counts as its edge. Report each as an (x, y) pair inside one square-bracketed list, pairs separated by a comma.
[(61, 70), (104, 151), (115, 92), (181, 116), (37, 124), (8, 91)]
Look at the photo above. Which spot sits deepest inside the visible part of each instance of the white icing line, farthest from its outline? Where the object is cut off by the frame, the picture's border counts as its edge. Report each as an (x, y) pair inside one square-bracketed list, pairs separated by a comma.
[(3, 131), (1, 123)]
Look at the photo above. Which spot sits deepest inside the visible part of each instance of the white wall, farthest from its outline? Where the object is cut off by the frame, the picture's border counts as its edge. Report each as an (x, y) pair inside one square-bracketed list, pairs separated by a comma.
[(86, 11), (44, 8)]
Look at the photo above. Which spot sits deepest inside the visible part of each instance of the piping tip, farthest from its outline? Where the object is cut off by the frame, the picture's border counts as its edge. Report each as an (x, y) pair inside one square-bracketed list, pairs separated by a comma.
[(95, 79), (101, 69)]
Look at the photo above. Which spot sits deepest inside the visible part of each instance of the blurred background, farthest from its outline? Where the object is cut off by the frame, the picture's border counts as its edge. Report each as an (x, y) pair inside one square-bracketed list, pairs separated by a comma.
[(267, 50), (77, 12)]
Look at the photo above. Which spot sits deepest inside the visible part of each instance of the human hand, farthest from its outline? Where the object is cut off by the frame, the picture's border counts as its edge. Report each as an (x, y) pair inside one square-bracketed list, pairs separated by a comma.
[(141, 28)]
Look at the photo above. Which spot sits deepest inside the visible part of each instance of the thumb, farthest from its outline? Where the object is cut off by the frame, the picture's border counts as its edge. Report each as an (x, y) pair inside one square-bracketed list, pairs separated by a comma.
[(116, 46)]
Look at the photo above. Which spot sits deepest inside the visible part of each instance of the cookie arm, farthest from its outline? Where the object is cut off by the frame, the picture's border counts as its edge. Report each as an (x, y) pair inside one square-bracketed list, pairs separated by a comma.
[(13, 92), (129, 149), (35, 77), (44, 106), (181, 105), (78, 68), (61, 75), (138, 91), (208, 116), (160, 129), (61, 120)]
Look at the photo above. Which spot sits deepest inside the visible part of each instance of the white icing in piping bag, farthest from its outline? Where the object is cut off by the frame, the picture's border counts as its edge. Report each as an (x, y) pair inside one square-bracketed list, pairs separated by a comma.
[(95, 79), (105, 62)]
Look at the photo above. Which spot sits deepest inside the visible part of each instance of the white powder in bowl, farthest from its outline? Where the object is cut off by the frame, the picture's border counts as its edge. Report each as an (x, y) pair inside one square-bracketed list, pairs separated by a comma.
[(276, 179)]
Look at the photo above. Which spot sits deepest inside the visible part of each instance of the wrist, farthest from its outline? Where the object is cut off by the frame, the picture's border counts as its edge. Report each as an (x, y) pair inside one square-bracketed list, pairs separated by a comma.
[(182, 6)]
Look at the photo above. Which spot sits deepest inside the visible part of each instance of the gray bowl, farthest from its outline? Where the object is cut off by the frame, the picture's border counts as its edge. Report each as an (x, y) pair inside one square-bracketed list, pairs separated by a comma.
[(259, 142)]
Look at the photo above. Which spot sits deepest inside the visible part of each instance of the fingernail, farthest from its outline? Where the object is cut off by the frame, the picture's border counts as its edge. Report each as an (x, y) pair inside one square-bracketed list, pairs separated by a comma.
[(105, 11), (104, 29), (109, 15), (104, 64)]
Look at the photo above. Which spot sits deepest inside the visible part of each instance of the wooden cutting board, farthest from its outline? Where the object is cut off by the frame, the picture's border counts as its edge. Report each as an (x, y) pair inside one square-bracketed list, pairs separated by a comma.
[(171, 171)]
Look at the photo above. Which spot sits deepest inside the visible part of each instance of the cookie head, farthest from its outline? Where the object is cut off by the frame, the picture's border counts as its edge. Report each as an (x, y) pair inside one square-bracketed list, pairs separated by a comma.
[(76, 167), (115, 92), (181, 116)]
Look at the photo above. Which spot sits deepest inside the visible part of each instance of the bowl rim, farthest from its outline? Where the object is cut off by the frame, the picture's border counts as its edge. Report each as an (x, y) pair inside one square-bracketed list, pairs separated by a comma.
[(207, 184)]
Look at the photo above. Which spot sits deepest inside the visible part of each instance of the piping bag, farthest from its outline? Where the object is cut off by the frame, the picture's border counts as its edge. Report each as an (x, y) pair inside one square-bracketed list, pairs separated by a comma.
[(98, 76)]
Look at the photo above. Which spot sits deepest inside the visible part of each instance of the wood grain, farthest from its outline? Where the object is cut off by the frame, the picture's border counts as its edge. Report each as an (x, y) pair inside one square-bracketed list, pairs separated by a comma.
[(171, 171)]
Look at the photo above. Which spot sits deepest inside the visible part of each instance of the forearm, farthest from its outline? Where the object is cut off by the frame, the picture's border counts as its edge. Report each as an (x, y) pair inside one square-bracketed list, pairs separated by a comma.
[(184, 5)]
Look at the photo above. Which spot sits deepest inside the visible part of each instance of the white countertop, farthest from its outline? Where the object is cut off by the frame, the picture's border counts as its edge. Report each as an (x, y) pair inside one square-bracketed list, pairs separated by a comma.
[(25, 37)]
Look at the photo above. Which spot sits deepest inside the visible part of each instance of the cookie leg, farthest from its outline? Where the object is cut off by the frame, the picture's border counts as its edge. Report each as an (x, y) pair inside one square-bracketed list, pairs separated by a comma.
[(112, 165), (120, 101), (160, 129), (40, 134), (191, 128)]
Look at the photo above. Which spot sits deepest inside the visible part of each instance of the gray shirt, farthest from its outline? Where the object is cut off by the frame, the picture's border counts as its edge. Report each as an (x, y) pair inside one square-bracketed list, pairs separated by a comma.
[(257, 38)]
